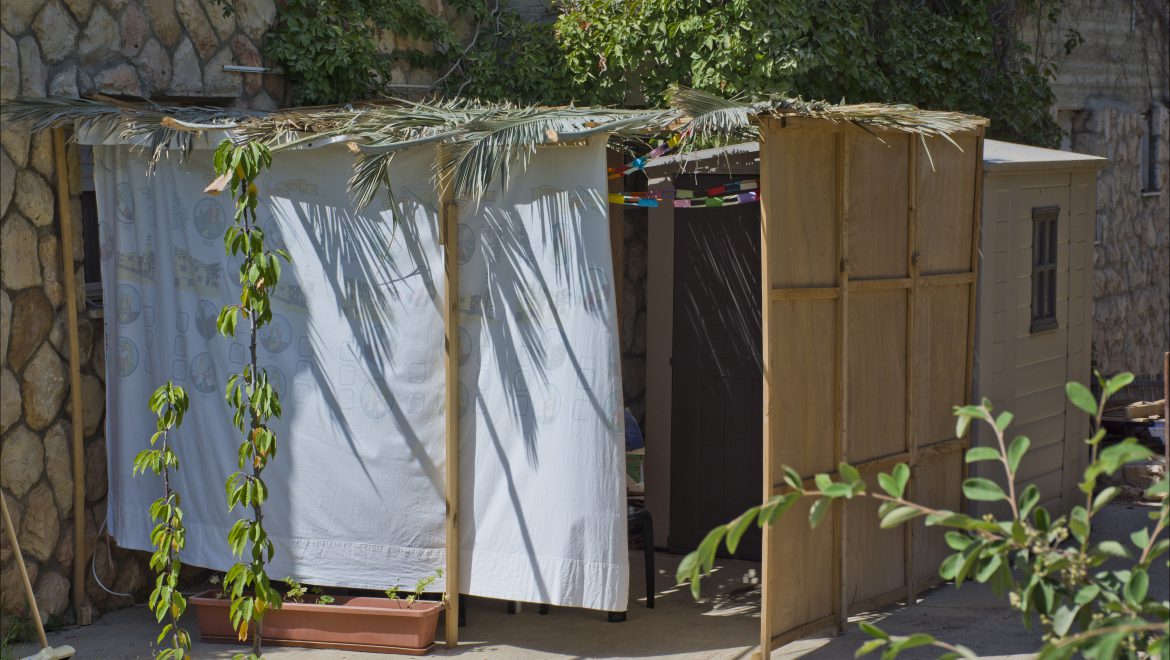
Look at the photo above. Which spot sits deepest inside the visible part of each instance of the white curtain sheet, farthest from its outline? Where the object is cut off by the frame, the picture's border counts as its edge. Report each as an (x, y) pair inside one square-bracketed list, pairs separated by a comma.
[(356, 351)]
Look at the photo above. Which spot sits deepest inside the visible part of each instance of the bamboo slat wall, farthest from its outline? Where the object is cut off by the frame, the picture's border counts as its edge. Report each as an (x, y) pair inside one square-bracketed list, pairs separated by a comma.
[(869, 260)]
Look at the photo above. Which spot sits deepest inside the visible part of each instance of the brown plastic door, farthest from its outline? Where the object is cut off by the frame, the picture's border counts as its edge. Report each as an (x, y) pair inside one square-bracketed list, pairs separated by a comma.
[(716, 403)]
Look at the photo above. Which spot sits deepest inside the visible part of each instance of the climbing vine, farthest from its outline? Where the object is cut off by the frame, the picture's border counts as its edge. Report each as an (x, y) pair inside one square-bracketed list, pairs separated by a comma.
[(335, 51), (249, 393), (169, 403)]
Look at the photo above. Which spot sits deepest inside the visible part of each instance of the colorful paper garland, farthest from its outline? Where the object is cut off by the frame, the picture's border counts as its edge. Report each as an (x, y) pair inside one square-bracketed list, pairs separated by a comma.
[(728, 194), (638, 163)]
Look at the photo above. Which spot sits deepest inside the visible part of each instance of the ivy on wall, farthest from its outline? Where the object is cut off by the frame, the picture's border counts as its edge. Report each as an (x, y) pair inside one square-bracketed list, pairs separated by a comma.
[(333, 51), (944, 54)]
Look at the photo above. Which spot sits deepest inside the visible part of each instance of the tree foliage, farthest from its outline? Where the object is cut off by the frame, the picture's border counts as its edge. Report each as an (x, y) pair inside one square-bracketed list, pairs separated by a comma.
[(336, 51), (1090, 597), (954, 55), (962, 55)]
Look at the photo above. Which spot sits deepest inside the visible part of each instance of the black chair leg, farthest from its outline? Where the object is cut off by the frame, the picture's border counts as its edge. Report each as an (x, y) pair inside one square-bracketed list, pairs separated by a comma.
[(616, 617), (543, 609), (648, 552)]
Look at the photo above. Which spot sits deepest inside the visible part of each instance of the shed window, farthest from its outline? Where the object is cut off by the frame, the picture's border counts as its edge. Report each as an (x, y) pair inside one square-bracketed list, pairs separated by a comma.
[(1044, 228), (1149, 155)]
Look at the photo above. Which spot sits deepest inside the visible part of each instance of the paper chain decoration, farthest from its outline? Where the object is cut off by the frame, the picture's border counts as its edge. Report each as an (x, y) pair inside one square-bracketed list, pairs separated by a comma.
[(736, 192), (638, 163), (728, 194)]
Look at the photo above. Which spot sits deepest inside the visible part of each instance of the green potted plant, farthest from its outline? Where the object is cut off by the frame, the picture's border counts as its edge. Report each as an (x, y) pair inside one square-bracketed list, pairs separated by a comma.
[(249, 607), (311, 618)]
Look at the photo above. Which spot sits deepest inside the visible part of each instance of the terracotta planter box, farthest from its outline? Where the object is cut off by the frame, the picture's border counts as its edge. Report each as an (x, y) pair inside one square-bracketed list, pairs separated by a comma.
[(352, 623)]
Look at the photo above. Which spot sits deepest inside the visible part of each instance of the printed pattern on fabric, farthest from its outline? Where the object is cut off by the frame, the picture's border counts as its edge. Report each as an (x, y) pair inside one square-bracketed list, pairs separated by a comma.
[(356, 351)]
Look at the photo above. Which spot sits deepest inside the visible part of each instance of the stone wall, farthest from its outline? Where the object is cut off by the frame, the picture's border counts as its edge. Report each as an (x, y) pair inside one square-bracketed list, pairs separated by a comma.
[(152, 48), (1131, 262), (1124, 58), (155, 48), (1104, 89)]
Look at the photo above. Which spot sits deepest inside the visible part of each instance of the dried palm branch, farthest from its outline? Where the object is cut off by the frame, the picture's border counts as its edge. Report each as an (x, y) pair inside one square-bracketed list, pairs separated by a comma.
[(477, 143), (711, 114)]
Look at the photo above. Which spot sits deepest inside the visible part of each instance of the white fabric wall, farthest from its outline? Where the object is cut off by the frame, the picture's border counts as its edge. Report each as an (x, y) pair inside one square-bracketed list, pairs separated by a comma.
[(357, 354), (542, 447)]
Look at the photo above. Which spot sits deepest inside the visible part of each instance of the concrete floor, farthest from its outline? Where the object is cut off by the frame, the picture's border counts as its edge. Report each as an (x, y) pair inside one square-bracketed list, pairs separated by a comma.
[(724, 625)]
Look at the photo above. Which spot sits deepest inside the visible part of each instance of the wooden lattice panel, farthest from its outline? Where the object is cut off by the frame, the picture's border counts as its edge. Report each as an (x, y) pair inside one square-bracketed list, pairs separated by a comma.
[(869, 272)]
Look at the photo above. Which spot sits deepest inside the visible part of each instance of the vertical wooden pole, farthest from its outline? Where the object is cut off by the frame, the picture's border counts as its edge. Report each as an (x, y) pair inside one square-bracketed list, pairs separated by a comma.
[(841, 373), (30, 598), (767, 597), (449, 217), (64, 211), (617, 239), (911, 356), (976, 223)]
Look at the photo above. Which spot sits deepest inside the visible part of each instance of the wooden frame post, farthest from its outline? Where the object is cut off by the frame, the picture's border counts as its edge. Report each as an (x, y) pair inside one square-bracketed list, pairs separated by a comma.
[(912, 271), (449, 218), (65, 213), (973, 293), (767, 598), (841, 372)]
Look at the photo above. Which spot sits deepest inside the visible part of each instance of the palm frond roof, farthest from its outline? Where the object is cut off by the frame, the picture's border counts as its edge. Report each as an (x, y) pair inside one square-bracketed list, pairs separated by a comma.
[(477, 142)]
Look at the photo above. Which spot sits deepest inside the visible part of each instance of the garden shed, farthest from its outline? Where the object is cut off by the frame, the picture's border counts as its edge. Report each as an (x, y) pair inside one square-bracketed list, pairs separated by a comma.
[(866, 257), (1035, 310)]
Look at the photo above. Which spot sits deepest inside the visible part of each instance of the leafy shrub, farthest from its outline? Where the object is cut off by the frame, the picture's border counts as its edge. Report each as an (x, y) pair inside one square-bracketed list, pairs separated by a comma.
[(1050, 569)]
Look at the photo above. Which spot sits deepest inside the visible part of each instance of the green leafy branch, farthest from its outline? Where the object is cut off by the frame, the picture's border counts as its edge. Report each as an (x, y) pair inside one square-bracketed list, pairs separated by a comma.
[(419, 588), (1081, 605), (250, 392), (169, 403)]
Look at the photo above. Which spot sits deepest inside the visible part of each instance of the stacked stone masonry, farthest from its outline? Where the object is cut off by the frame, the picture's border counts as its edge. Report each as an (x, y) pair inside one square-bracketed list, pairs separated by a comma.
[(154, 48), (1112, 93), (1131, 261)]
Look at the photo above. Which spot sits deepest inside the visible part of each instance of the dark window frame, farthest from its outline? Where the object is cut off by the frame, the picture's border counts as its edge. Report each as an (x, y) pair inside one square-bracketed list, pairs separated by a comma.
[(1151, 181), (1045, 228)]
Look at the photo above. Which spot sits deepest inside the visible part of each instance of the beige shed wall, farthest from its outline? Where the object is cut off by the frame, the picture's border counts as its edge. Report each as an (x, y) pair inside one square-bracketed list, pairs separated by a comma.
[(1025, 372)]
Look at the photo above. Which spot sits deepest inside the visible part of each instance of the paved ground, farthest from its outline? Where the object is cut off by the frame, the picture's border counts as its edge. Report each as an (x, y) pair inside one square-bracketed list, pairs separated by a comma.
[(723, 626)]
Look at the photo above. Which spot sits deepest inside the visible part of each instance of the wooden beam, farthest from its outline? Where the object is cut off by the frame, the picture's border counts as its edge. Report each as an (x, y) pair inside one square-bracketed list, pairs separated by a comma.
[(945, 447), (841, 375), (882, 462), (880, 284), (767, 595), (802, 630), (804, 293), (78, 448), (450, 223), (617, 238), (973, 295), (911, 353), (947, 279), (879, 601)]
